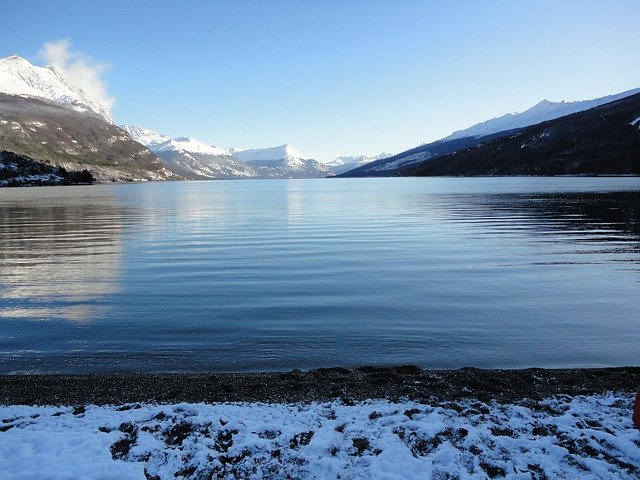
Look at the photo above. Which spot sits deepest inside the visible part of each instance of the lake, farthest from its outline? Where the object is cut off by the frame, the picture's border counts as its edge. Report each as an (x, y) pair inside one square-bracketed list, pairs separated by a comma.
[(254, 275)]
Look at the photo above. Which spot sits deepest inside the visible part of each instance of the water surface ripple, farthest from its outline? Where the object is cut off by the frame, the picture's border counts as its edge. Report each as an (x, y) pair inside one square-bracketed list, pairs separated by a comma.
[(273, 275)]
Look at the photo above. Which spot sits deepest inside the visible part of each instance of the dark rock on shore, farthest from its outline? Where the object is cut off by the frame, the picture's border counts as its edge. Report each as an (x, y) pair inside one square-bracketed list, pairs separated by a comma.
[(326, 384)]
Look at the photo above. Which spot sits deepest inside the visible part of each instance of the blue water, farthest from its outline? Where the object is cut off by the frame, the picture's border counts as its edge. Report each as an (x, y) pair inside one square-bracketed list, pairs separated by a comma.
[(276, 274)]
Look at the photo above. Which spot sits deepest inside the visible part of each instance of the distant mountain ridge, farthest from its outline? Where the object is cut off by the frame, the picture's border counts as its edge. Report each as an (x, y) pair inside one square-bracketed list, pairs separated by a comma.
[(62, 137), (45, 119), (603, 140), (19, 77), (195, 160), (541, 112), (50, 126), (481, 133), (345, 163)]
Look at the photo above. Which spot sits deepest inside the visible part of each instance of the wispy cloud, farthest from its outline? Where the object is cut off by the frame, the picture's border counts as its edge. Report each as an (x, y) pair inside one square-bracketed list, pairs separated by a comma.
[(80, 70)]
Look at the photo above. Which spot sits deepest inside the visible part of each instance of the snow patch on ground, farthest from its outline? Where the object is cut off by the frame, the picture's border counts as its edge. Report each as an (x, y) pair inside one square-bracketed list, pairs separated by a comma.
[(635, 122), (30, 180), (585, 437), (402, 162)]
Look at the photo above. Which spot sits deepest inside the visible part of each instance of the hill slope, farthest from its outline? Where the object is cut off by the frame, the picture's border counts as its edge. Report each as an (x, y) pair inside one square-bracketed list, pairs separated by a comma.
[(479, 134), (19, 77), (192, 159), (600, 141), (53, 134), (388, 167)]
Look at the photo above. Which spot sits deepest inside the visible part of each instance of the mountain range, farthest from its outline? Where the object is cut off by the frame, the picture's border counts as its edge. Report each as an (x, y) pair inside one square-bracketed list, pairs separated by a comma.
[(345, 163), (19, 77), (193, 159), (603, 139), (50, 129), (43, 118), (47, 132), (479, 134)]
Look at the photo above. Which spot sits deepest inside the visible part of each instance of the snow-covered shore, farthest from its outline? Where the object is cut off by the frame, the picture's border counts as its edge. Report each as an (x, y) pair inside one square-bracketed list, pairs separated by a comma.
[(581, 437)]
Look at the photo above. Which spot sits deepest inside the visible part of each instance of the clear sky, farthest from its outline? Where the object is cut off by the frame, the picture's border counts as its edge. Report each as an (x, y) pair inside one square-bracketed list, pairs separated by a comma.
[(335, 77)]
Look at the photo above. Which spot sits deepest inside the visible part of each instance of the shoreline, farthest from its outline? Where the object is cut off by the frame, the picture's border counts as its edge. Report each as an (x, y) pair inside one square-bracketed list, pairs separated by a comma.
[(393, 383)]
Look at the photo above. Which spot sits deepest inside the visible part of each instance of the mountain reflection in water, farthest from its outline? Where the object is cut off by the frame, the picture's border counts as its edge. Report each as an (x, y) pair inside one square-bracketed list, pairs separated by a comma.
[(274, 275), (59, 259)]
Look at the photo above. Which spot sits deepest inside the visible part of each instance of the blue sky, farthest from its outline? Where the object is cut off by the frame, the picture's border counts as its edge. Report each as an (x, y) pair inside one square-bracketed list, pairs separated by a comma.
[(336, 77)]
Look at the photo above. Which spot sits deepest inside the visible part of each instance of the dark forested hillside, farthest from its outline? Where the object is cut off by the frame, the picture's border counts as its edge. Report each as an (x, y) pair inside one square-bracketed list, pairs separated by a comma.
[(601, 141)]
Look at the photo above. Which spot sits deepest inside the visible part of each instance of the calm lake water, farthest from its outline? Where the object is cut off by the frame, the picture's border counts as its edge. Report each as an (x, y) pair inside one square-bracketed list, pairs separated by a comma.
[(274, 275)]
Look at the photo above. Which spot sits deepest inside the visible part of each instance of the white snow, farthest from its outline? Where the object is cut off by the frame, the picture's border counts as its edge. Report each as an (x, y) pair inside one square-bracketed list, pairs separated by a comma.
[(344, 163), (635, 122), (194, 158), (157, 142), (543, 111), (282, 152), (586, 437), (357, 160), (147, 137), (402, 162), (19, 77), (189, 144), (45, 177)]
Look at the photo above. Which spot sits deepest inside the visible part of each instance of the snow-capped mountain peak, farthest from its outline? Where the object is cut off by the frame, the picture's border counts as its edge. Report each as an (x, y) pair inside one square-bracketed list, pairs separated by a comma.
[(158, 142), (145, 136), (19, 77), (191, 145), (191, 158), (344, 163), (540, 112), (358, 159), (282, 152)]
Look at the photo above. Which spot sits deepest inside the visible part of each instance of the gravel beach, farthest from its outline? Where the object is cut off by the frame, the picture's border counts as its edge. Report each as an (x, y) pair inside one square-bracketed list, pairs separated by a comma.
[(320, 385)]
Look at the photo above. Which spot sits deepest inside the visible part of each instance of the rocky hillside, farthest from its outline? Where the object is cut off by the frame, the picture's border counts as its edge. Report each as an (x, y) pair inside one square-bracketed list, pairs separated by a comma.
[(391, 166), (193, 159), (480, 134), (18, 171), (345, 163), (55, 135), (604, 140), (19, 77)]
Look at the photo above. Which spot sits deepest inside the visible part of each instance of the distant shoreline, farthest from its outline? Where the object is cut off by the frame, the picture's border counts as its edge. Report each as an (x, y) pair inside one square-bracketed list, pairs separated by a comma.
[(594, 175), (325, 384)]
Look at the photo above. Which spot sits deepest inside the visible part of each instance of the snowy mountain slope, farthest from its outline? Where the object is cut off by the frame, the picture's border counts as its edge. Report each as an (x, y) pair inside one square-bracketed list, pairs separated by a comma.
[(202, 166), (159, 142), (344, 163), (388, 167), (190, 144), (480, 134), (19, 77), (145, 136), (193, 159), (190, 158), (282, 152), (543, 111), (49, 133), (283, 161), (598, 141)]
